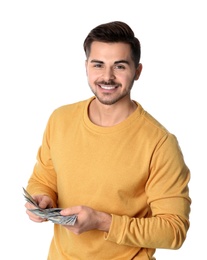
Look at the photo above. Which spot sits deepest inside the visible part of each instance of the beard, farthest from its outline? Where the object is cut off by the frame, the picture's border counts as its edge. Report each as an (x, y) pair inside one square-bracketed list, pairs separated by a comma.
[(106, 98), (111, 98)]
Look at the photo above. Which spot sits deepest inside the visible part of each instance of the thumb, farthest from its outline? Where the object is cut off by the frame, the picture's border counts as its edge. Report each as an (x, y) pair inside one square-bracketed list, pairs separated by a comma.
[(45, 202), (70, 211)]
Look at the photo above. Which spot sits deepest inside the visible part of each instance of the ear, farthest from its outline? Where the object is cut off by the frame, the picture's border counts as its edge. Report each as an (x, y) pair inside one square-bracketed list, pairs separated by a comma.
[(138, 71)]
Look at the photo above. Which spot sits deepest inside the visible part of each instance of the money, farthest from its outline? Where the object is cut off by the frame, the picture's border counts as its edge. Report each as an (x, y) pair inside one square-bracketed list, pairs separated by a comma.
[(51, 214)]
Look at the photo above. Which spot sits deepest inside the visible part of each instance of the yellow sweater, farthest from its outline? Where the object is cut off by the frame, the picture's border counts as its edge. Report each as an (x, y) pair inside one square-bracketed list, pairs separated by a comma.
[(134, 170)]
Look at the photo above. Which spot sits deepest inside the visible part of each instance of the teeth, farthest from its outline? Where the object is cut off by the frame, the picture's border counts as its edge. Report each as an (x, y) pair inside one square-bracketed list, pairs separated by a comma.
[(108, 87)]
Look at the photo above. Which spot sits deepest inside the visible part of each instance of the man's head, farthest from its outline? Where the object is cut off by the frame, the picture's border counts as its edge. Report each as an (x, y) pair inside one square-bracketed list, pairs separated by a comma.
[(112, 62)]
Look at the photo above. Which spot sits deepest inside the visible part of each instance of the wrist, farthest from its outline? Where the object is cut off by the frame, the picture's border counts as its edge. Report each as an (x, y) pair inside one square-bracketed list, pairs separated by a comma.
[(104, 221)]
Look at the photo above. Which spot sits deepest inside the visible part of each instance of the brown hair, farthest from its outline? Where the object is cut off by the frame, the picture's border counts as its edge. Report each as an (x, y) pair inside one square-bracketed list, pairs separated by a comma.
[(114, 32)]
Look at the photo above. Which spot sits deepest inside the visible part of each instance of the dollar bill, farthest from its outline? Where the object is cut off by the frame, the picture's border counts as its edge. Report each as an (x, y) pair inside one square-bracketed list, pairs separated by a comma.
[(51, 214)]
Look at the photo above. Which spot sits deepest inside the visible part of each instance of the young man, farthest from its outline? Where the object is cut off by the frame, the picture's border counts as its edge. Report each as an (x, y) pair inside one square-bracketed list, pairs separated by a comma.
[(111, 163)]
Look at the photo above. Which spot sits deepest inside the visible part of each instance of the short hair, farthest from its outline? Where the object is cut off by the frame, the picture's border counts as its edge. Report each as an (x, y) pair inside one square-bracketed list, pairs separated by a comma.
[(116, 31)]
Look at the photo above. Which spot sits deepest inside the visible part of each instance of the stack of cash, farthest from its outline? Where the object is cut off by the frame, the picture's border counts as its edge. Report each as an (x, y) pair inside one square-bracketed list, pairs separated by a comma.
[(52, 214)]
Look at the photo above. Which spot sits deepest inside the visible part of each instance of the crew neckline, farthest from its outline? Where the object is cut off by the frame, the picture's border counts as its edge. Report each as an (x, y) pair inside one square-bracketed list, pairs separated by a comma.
[(108, 129)]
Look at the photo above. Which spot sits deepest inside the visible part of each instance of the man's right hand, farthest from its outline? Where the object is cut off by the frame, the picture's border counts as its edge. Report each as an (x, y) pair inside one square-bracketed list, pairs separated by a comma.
[(43, 202)]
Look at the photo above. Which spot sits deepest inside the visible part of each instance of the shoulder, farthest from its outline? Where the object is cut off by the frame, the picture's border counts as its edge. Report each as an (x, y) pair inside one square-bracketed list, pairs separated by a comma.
[(70, 109), (150, 122), (153, 130), (68, 114)]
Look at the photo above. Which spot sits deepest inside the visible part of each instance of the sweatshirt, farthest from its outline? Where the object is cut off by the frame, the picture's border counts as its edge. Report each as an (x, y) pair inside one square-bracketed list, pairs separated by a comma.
[(134, 170)]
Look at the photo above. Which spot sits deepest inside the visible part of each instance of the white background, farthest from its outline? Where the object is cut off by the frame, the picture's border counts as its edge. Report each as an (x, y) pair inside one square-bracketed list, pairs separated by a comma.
[(42, 67)]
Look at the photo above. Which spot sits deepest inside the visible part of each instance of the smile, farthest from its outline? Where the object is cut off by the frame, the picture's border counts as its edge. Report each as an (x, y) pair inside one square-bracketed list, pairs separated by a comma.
[(107, 87)]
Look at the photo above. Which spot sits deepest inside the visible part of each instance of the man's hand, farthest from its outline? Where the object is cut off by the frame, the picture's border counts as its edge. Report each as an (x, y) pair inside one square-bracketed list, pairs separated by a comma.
[(43, 202), (88, 219)]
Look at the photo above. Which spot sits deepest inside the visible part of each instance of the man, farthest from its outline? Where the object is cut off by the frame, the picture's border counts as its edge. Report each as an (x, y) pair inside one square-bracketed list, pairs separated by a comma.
[(111, 163)]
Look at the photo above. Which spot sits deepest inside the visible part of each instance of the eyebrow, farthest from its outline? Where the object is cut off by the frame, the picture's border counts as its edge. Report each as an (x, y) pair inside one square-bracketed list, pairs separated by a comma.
[(116, 62)]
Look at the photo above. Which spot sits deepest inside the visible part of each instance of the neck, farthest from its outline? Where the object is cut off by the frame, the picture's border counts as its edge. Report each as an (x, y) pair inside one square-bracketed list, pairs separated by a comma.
[(110, 115)]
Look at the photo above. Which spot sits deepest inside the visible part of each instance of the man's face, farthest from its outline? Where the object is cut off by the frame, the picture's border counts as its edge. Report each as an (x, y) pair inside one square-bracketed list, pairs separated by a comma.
[(111, 71)]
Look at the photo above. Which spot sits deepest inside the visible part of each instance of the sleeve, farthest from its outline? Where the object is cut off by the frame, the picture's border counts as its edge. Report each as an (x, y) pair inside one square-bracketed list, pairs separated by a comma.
[(168, 200), (43, 178)]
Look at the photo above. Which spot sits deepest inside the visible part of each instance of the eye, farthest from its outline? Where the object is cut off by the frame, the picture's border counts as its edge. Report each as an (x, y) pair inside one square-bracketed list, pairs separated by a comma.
[(97, 65), (119, 67)]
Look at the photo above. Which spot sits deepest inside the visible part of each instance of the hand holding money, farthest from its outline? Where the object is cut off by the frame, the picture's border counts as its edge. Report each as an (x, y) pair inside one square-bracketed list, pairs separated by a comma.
[(52, 214)]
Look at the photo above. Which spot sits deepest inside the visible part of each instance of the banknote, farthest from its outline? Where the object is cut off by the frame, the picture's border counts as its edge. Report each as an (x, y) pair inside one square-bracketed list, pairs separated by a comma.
[(51, 214)]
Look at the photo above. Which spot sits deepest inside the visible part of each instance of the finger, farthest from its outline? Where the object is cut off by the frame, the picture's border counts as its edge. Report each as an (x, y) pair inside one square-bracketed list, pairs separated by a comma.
[(44, 204), (71, 211), (29, 205), (43, 201), (34, 217)]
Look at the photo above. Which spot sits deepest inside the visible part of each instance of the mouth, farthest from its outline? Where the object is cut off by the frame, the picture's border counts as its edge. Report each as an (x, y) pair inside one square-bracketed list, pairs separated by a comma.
[(108, 87)]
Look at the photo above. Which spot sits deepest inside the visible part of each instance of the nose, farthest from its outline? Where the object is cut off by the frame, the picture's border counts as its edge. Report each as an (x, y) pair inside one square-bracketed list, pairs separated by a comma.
[(108, 74)]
